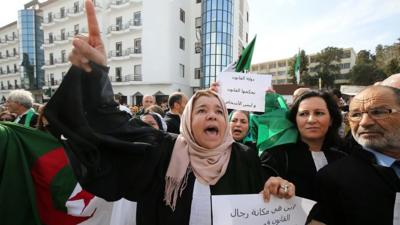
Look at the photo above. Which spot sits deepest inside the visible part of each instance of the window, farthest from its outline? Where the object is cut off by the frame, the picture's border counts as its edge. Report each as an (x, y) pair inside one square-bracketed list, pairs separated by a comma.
[(52, 81), (8, 69), (182, 15), (138, 46), (197, 73), (7, 53), (63, 56), (50, 17), (197, 47), (62, 34), (14, 51), (137, 20), (51, 59), (76, 29), (118, 23), (62, 12), (137, 69), (198, 1), (15, 68), (182, 70), (63, 74), (118, 74), (247, 37), (247, 16), (118, 49), (182, 43), (198, 22), (76, 7), (51, 38)]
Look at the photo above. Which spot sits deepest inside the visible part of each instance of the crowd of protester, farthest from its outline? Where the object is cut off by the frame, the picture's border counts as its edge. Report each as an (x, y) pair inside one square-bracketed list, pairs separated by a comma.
[(341, 151)]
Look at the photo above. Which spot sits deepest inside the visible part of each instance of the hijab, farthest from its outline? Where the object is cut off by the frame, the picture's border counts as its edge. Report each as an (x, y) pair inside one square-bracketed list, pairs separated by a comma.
[(208, 165)]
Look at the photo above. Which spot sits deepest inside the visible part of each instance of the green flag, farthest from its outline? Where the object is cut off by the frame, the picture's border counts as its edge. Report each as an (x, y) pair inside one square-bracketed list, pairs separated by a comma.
[(35, 178), (273, 128), (244, 61), (297, 67)]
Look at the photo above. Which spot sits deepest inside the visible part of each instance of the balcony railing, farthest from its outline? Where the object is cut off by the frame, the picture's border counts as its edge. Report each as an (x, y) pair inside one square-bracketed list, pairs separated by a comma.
[(53, 82), (127, 52), (126, 78), (122, 27), (74, 11)]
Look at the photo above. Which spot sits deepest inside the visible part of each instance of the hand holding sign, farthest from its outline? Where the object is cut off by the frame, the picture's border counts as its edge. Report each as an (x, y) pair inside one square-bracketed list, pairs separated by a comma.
[(90, 48)]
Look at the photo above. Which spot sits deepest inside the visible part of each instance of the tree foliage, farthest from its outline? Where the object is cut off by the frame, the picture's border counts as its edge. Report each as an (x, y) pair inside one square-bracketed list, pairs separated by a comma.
[(328, 65)]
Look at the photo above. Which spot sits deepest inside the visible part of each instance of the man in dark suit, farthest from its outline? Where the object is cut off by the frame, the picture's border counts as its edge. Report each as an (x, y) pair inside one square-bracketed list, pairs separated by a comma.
[(20, 102), (361, 189), (177, 102)]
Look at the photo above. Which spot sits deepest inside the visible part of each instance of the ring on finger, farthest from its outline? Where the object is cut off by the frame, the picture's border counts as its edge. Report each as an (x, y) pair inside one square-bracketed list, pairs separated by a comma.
[(284, 187)]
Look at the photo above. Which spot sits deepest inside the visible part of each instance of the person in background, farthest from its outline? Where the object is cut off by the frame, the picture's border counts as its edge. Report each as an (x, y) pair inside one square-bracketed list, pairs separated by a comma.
[(156, 109), (7, 116), (361, 188), (147, 101), (317, 118), (152, 119), (392, 81), (240, 128), (20, 102), (298, 92), (177, 102)]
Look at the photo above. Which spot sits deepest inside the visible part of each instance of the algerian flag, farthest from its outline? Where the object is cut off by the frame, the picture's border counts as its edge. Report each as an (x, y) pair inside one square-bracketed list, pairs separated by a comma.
[(297, 67), (244, 62), (35, 179)]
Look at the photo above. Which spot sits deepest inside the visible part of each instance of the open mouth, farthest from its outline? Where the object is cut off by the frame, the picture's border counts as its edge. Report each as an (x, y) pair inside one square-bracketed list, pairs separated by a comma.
[(237, 131), (212, 130)]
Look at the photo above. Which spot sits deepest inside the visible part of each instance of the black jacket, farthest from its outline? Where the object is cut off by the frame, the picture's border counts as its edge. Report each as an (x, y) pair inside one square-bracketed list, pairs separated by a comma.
[(173, 122), (295, 163), (355, 190)]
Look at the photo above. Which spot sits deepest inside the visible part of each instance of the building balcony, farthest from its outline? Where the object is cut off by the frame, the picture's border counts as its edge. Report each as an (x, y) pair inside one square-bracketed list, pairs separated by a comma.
[(60, 17), (53, 82), (12, 40), (116, 4), (48, 21), (48, 64), (76, 11), (60, 62), (126, 78), (63, 39), (131, 26), (129, 53)]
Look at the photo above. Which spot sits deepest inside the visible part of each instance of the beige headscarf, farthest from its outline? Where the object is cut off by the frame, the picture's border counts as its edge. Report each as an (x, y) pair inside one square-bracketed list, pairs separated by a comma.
[(208, 165)]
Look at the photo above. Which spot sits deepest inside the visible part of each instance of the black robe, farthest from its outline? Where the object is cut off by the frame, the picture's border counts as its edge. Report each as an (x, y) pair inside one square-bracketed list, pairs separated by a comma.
[(114, 156), (294, 162)]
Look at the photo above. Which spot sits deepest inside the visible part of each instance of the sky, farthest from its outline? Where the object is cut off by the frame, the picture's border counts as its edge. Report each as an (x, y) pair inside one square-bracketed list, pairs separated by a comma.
[(285, 26)]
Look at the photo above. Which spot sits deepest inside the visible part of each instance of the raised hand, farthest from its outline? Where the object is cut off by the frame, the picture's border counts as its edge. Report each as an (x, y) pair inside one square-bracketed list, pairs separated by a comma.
[(89, 48)]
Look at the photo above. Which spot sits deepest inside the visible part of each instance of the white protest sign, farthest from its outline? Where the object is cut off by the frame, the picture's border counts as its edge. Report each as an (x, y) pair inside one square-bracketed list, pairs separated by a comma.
[(252, 210), (396, 214), (244, 91)]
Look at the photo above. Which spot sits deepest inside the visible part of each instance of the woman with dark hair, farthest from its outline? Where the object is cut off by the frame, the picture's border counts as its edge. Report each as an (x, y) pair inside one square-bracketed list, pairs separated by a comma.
[(317, 118)]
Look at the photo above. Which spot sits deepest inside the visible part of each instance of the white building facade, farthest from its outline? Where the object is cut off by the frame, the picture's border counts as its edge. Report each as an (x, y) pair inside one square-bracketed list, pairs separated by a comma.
[(153, 46), (279, 69), (10, 74)]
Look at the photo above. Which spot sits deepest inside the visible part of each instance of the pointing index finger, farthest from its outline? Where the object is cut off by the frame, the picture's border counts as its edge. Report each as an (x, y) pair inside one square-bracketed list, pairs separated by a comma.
[(93, 25)]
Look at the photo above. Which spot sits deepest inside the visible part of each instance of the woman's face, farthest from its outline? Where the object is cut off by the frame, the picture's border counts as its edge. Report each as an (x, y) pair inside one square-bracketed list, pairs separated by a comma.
[(313, 119), (208, 122), (149, 119), (239, 125)]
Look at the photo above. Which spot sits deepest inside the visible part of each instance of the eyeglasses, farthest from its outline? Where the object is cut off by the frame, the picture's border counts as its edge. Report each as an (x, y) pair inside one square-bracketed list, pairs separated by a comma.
[(376, 114)]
